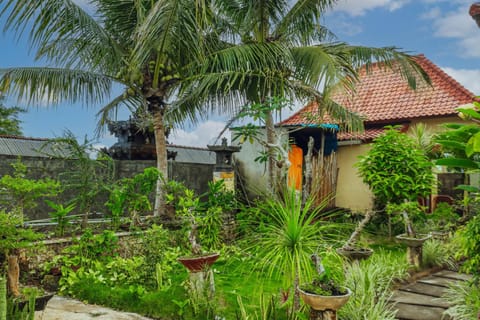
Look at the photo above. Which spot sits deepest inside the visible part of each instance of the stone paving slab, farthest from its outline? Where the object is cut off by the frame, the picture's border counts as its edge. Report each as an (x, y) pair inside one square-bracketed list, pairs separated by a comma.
[(438, 281), (426, 289), (61, 308), (406, 312), (453, 275), (417, 299), (422, 300)]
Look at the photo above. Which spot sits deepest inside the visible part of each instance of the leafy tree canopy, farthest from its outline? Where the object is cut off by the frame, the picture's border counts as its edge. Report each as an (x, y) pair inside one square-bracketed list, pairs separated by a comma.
[(9, 122)]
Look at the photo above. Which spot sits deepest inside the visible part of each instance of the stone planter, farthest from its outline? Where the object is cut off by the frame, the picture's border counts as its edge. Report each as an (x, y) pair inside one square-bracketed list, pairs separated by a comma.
[(199, 263), (412, 242), (355, 254), (40, 302), (324, 307), (440, 235), (414, 247)]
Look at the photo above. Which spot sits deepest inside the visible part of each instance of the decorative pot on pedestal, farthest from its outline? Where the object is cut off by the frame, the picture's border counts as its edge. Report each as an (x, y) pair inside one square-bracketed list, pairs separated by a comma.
[(355, 254), (324, 307), (414, 247), (200, 263), (201, 278)]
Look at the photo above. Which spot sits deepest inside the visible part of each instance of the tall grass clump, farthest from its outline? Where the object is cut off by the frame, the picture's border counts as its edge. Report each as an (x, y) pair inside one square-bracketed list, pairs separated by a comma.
[(370, 282), (464, 298), (438, 254), (295, 231)]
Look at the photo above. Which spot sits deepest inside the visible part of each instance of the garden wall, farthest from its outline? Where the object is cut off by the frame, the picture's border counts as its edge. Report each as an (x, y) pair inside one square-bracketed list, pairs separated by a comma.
[(195, 176)]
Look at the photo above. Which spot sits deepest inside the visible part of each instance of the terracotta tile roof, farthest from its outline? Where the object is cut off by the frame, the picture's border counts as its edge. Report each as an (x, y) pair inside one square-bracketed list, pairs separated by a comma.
[(367, 134), (383, 96)]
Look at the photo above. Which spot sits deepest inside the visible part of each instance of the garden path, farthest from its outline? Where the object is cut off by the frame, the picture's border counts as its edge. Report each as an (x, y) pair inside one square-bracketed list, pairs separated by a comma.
[(422, 300), (60, 308)]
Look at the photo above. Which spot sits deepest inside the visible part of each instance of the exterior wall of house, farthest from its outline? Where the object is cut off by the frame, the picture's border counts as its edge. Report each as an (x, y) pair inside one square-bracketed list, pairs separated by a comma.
[(352, 193), (253, 176)]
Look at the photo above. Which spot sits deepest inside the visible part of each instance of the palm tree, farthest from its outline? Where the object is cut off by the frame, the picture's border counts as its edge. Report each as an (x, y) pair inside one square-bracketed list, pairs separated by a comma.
[(314, 59), (159, 51)]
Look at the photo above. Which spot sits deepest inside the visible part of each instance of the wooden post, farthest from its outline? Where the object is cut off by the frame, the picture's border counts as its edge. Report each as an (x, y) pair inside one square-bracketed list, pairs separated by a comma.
[(323, 314)]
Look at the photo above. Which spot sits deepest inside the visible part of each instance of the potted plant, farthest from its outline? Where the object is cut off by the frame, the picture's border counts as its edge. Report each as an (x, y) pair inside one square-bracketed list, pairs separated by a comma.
[(413, 240), (398, 173), (350, 249), (442, 221), (14, 237), (324, 296), (198, 261)]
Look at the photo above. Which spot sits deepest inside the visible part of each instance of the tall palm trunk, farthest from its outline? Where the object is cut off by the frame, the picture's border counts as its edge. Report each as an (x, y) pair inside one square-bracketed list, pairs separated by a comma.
[(272, 177), (157, 108)]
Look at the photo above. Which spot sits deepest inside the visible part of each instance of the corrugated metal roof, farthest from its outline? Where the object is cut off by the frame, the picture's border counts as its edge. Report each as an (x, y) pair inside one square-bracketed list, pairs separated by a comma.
[(30, 147), (193, 155)]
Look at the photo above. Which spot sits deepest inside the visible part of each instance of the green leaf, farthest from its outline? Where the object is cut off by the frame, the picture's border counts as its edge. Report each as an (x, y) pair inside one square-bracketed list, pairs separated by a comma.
[(457, 162)]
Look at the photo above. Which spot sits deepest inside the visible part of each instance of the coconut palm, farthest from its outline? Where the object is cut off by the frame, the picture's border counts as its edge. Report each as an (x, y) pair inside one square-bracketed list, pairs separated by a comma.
[(316, 60), (155, 50)]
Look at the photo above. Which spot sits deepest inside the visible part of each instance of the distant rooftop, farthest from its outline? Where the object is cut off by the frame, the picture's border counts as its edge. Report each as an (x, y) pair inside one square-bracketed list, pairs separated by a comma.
[(192, 154), (30, 147)]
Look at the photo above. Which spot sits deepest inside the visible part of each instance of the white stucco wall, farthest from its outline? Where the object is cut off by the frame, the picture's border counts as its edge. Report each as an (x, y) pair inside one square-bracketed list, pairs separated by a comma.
[(253, 173)]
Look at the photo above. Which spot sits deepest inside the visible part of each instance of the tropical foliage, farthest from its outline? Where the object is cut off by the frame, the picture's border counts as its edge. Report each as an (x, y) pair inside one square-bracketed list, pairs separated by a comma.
[(9, 122), (395, 170)]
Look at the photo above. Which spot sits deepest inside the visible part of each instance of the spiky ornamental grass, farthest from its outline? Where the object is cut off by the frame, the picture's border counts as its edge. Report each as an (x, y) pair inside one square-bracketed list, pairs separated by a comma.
[(370, 282), (295, 232)]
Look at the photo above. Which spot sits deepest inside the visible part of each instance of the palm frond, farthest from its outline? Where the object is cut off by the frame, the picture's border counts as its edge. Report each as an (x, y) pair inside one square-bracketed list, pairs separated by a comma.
[(301, 24), (109, 111), (62, 32), (323, 65), (391, 58), (40, 86), (171, 29)]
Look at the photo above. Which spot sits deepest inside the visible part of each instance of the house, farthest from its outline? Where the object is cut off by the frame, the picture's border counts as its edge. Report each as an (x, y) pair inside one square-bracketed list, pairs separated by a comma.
[(382, 97)]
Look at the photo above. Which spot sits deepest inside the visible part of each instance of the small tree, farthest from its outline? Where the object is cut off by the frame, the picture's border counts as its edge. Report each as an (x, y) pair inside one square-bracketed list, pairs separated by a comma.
[(13, 237), (274, 149), (132, 194), (396, 170), (9, 122), (86, 177), (21, 193)]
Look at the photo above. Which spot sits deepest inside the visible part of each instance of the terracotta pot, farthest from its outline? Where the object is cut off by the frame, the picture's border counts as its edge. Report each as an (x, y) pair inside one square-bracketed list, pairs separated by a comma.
[(412, 242), (355, 253), (320, 303), (199, 263)]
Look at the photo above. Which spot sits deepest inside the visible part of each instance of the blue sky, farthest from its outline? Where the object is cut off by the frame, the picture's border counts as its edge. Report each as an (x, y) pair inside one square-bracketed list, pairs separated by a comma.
[(440, 29)]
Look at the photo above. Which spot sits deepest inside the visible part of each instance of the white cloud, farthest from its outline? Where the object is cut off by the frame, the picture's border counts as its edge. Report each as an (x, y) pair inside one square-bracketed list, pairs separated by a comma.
[(459, 26), (205, 133), (358, 8), (467, 77)]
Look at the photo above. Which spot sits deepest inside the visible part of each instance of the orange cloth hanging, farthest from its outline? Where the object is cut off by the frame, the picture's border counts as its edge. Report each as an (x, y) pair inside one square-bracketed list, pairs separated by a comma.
[(295, 172)]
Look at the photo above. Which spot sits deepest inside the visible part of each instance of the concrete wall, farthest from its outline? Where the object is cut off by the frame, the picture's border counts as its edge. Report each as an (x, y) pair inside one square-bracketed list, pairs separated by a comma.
[(195, 176)]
